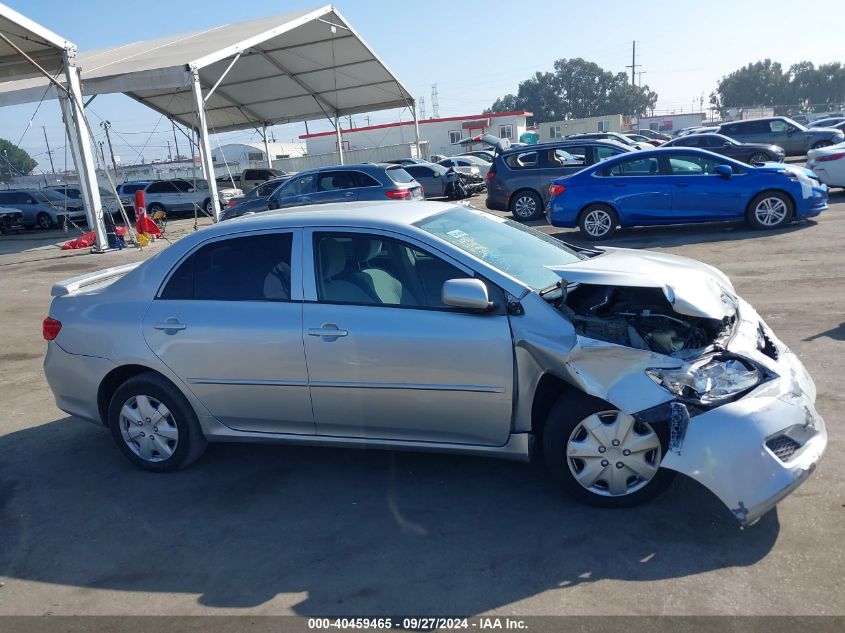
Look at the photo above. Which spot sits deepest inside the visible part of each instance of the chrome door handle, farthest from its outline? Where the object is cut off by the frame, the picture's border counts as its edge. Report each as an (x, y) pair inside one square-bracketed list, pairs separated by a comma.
[(327, 331), (681, 184), (349, 194), (171, 325)]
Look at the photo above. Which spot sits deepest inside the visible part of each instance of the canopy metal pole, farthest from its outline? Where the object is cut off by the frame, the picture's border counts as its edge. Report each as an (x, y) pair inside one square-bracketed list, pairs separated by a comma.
[(205, 145), (267, 147), (339, 137), (80, 146), (416, 129)]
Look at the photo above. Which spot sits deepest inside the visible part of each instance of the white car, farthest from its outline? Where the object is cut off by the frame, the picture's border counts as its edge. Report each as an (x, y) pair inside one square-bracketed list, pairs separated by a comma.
[(470, 165), (181, 195), (828, 163)]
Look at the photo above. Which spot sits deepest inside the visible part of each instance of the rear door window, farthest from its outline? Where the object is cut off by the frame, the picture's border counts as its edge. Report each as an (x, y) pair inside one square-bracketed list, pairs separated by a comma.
[(523, 160), (252, 268), (634, 167), (398, 175), (563, 157), (602, 152)]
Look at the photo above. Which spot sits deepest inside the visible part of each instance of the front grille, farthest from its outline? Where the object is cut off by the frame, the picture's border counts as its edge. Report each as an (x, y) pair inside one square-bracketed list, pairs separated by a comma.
[(783, 446)]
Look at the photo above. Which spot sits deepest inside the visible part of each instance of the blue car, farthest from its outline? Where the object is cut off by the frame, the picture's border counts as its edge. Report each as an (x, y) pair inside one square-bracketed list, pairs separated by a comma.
[(682, 185)]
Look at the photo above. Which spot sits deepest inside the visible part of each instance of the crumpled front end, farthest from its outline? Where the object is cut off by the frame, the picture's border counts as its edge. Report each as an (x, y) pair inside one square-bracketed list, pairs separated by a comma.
[(754, 451)]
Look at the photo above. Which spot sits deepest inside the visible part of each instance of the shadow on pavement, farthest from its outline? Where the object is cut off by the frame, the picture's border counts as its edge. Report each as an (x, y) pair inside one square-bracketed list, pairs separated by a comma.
[(356, 532)]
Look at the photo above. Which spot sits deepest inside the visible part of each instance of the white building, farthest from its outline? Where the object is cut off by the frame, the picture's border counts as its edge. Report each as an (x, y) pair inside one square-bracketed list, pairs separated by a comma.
[(246, 155), (668, 123), (553, 130), (442, 134)]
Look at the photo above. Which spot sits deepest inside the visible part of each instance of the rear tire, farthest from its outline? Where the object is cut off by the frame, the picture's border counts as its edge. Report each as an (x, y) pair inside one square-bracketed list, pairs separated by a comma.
[(598, 222), (206, 206), (770, 210), (44, 221), (154, 425), (155, 207), (575, 455), (526, 205)]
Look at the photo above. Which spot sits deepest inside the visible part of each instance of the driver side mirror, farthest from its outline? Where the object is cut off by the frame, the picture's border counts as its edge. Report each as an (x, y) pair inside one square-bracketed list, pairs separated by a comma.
[(724, 171), (470, 294)]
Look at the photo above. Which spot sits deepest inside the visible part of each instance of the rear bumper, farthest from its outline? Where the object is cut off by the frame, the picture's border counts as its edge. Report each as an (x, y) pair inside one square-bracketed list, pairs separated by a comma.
[(75, 380)]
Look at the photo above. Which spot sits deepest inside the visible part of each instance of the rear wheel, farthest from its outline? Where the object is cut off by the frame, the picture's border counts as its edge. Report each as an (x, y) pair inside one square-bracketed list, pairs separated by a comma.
[(154, 425), (602, 456), (526, 205), (598, 222), (44, 221), (155, 207), (770, 210)]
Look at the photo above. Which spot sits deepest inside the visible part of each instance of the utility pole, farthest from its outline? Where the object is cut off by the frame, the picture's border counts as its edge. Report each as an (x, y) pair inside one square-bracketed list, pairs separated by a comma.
[(175, 140), (49, 153), (634, 65), (106, 125), (435, 105), (169, 155)]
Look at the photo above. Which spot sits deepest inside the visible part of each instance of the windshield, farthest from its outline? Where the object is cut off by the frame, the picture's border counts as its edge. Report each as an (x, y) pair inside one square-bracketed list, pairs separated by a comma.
[(509, 246), (52, 196)]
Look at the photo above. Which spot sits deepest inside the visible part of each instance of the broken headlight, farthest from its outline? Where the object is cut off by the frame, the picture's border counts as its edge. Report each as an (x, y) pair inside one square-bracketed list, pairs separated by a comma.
[(710, 383)]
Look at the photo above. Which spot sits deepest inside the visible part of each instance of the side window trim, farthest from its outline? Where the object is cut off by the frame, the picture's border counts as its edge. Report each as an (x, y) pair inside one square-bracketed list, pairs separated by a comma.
[(296, 291)]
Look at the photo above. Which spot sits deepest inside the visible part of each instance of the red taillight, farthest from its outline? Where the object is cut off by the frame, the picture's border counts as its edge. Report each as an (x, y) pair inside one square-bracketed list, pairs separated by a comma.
[(824, 159), (556, 190), (398, 194), (489, 175), (50, 328), (232, 203)]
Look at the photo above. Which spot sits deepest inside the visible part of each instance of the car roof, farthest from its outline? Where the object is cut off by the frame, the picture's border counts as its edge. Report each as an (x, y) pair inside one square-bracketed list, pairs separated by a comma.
[(388, 214), (657, 151), (568, 142)]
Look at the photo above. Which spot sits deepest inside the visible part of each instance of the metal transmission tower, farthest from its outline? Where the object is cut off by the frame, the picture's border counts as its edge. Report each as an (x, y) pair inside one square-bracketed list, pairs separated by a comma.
[(422, 107), (634, 65), (106, 125), (435, 105)]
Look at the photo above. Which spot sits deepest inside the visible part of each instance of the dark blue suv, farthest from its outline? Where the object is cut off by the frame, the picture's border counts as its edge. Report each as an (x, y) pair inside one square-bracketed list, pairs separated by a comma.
[(519, 178)]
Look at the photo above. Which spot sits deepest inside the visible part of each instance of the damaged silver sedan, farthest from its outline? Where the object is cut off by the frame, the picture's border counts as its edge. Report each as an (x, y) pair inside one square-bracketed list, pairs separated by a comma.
[(431, 327)]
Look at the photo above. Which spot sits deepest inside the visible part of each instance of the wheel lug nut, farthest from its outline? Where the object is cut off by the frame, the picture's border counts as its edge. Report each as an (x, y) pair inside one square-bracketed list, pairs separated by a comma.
[(604, 462), (615, 442), (626, 452), (142, 434), (140, 423), (155, 429), (602, 449), (619, 464), (148, 420)]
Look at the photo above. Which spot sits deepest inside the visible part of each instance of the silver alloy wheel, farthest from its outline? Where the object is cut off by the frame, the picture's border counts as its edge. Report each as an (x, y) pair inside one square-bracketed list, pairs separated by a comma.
[(770, 211), (148, 428), (612, 455), (758, 158), (598, 223), (525, 207), (44, 221)]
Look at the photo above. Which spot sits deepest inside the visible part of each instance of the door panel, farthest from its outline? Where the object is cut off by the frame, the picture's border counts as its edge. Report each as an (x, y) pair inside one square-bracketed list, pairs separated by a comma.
[(701, 194), (386, 359), (641, 193), (229, 324), (410, 374)]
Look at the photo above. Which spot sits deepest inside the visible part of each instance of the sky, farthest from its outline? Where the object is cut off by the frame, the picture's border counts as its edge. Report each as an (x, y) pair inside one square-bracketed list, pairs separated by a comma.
[(474, 52)]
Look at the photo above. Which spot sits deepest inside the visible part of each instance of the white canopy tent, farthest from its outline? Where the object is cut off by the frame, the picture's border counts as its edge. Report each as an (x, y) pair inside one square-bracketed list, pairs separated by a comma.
[(31, 53), (297, 66)]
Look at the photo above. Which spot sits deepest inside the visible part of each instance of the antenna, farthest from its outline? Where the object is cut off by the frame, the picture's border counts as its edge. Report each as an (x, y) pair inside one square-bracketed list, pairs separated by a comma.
[(435, 105)]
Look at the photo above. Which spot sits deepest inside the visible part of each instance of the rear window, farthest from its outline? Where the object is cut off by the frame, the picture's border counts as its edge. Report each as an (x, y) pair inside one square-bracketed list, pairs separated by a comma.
[(132, 188), (398, 175)]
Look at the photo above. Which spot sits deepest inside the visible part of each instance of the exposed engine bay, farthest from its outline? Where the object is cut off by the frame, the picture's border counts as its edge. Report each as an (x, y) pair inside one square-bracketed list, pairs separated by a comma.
[(641, 318)]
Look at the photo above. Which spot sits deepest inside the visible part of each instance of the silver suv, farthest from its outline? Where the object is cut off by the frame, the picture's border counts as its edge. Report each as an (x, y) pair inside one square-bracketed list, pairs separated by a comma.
[(794, 138)]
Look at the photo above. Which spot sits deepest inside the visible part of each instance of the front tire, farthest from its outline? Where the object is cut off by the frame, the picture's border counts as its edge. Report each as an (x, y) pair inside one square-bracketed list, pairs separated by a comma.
[(821, 144), (154, 208), (526, 205), (758, 158), (602, 456), (154, 425), (598, 222), (770, 210)]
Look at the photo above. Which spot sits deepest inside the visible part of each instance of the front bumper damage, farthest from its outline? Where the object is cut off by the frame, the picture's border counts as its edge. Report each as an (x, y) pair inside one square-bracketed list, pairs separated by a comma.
[(756, 450)]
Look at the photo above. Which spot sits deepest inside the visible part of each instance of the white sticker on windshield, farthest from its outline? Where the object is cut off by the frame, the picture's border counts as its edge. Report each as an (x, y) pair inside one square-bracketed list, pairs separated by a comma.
[(457, 233)]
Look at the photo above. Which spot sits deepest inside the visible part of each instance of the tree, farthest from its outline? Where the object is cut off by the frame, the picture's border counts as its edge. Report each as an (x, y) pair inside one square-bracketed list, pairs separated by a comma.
[(577, 89), (14, 161), (765, 83)]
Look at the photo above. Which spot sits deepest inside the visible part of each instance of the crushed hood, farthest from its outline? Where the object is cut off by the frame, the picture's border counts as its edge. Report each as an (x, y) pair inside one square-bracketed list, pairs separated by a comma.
[(691, 287)]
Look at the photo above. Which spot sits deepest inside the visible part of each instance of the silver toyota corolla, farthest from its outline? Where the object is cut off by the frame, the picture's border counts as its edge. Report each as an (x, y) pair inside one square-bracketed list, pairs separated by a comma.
[(426, 326)]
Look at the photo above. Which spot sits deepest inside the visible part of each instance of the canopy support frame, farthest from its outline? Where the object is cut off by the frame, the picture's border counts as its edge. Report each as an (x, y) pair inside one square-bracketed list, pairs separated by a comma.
[(205, 144)]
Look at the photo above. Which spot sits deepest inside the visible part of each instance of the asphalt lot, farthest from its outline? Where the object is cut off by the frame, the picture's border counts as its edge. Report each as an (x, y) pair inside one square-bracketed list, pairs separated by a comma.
[(311, 531)]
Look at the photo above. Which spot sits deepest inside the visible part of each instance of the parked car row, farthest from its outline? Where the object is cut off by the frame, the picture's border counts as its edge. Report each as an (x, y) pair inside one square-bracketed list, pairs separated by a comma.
[(42, 208), (170, 196)]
